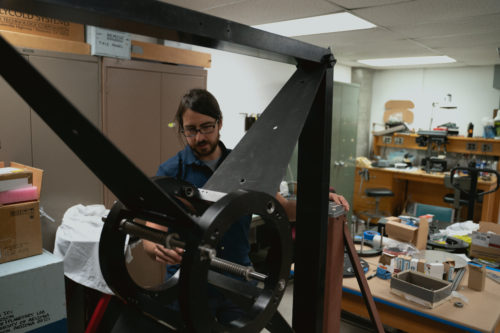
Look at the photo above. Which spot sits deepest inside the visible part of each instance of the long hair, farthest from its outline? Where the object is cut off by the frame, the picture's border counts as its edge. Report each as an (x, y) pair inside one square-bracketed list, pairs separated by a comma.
[(198, 100)]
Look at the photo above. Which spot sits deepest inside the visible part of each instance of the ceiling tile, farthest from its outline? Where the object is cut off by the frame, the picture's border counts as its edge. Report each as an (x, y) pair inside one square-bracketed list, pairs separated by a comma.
[(201, 5), (254, 12), (426, 11), (351, 37), (383, 50), (466, 25), (474, 56), (469, 40), (355, 4)]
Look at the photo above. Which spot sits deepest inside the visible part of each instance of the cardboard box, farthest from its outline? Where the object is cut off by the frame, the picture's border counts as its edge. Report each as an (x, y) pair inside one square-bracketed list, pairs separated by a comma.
[(409, 234), (167, 54), (485, 242), (45, 43), (32, 296), (414, 265), (12, 20), (449, 269), (477, 277), (425, 290), (435, 269), (387, 262), (421, 266), (20, 228)]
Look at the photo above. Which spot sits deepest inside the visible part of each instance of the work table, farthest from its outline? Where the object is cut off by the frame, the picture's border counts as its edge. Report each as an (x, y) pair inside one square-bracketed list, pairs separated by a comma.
[(415, 185), (480, 314)]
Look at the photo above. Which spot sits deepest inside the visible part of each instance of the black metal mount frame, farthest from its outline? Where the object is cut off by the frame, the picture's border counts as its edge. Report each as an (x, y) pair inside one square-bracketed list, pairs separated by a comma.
[(300, 111), (472, 193)]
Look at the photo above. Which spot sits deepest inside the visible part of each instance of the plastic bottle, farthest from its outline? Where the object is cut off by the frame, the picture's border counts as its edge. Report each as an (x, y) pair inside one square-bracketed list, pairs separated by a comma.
[(496, 122), (284, 188)]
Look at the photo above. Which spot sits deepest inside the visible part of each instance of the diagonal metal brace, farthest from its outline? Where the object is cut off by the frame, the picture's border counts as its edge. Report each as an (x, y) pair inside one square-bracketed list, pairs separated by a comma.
[(280, 126)]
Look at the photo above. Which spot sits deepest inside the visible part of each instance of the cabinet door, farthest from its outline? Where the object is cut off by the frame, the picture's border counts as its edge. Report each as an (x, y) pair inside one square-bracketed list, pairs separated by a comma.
[(15, 127), (66, 180), (140, 100), (344, 132), (132, 117)]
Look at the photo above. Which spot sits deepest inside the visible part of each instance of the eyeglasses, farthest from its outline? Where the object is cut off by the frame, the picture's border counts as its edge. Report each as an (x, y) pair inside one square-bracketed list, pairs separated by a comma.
[(190, 132)]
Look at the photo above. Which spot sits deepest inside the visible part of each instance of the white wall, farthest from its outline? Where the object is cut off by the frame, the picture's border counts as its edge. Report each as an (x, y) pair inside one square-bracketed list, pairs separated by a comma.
[(244, 84), (471, 88)]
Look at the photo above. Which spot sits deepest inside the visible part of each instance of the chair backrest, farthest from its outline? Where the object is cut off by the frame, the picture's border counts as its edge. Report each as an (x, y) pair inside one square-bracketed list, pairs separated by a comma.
[(443, 214)]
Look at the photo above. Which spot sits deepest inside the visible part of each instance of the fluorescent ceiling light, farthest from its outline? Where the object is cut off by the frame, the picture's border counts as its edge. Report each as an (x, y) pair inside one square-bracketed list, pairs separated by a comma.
[(317, 25), (407, 61)]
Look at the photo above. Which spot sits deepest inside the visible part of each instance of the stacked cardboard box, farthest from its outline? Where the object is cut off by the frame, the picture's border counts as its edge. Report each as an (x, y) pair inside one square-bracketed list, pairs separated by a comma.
[(417, 236), (38, 32), (486, 242), (20, 223)]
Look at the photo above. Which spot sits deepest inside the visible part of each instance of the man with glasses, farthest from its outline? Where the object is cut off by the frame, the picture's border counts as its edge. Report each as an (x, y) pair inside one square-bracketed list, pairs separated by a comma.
[(199, 120)]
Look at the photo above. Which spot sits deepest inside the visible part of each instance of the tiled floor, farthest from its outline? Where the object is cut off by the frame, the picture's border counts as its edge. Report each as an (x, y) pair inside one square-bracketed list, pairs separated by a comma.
[(285, 308)]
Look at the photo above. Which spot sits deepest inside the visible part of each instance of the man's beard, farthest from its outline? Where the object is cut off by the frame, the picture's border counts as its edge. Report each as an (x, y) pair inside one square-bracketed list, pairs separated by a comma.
[(205, 151)]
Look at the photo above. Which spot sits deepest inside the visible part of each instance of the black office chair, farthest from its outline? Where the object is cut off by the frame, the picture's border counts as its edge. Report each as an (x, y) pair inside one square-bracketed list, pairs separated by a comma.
[(378, 193)]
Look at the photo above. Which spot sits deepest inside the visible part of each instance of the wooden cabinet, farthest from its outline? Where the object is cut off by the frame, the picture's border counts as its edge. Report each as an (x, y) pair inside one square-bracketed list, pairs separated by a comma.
[(15, 126), (27, 139), (66, 181), (140, 100)]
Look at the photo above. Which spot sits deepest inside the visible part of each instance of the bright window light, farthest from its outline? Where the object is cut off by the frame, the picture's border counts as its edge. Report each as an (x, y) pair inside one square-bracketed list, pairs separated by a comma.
[(317, 25), (383, 62)]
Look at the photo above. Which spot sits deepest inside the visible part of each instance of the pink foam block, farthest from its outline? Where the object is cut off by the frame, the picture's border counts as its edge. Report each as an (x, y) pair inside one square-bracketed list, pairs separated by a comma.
[(18, 195)]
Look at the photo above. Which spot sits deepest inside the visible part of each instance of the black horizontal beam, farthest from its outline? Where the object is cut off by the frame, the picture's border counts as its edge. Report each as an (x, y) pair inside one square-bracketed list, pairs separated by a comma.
[(165, 21)]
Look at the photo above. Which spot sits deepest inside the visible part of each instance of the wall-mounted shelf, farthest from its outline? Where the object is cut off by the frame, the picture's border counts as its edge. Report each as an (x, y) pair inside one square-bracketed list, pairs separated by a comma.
[(456, 144)]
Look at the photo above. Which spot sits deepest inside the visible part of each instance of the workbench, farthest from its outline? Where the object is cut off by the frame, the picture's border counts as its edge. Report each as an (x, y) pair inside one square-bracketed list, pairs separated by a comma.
[(420, 186), (480, 314), (416, 185)]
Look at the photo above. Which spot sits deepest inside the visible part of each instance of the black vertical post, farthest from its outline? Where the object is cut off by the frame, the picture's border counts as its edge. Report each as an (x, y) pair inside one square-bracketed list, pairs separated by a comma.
[(312, 211)]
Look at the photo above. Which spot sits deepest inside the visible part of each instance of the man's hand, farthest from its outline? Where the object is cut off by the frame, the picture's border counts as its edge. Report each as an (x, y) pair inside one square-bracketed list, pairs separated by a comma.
[(339, 199), (168, 256), (159, 252)]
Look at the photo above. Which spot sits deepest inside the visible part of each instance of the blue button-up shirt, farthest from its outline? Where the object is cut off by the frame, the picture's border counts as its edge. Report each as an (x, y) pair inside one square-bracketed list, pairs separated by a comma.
[(186, 166)]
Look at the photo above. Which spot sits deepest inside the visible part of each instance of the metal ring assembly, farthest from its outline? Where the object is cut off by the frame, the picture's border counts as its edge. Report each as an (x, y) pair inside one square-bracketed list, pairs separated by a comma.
[(183, 300)]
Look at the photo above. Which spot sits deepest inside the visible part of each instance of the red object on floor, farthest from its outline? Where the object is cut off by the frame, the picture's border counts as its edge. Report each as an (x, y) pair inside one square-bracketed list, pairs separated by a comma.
[(96, 318)]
